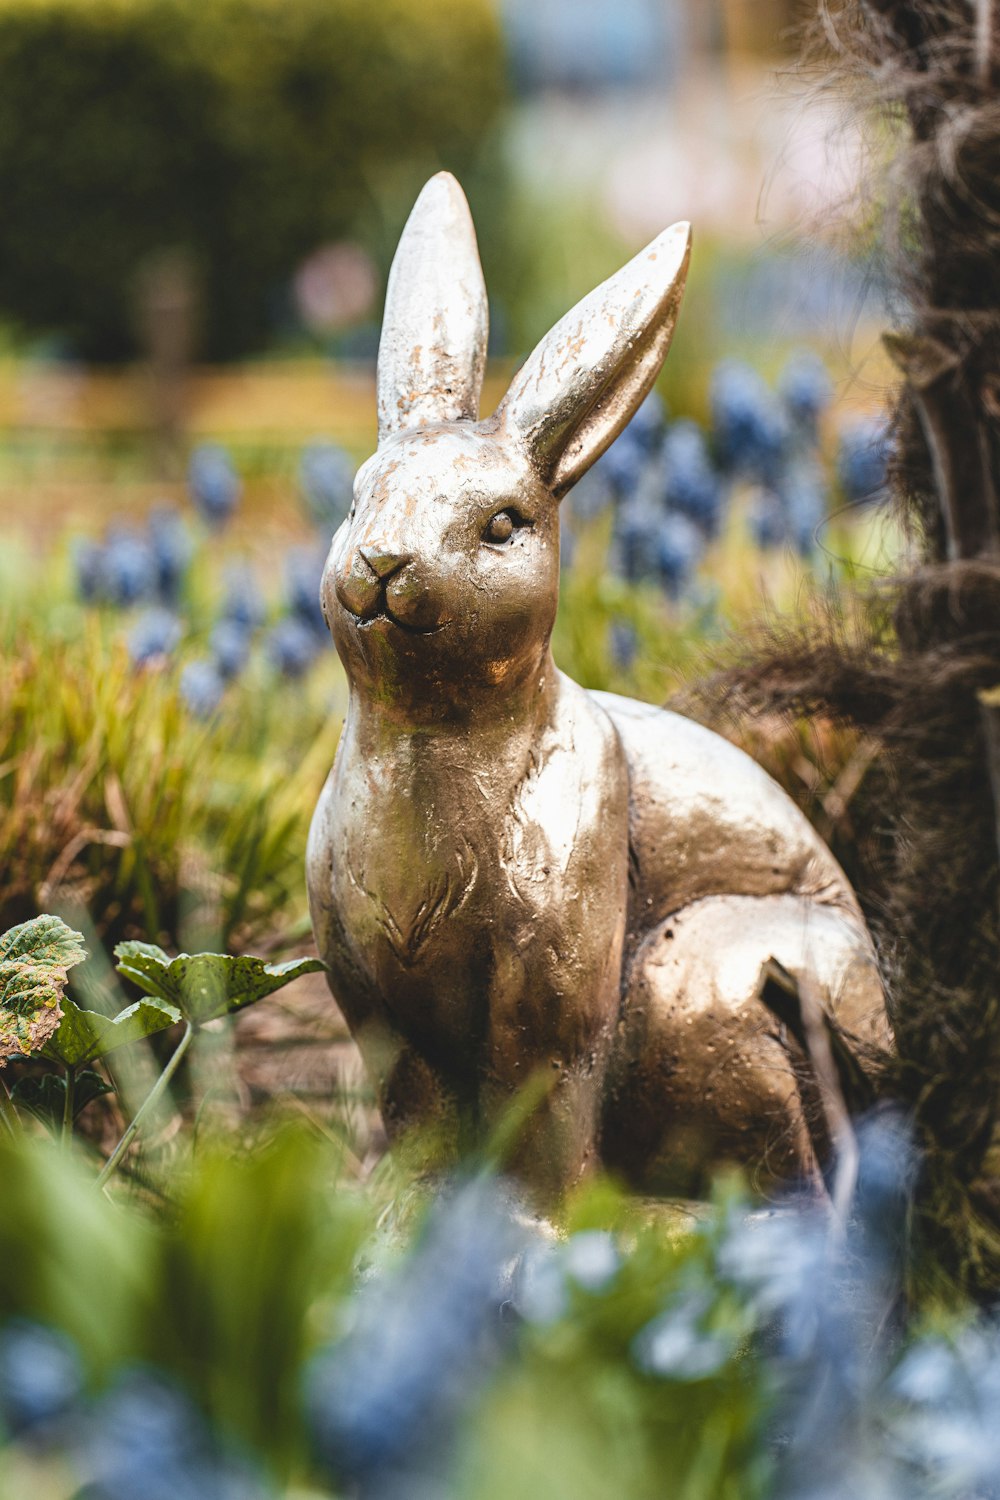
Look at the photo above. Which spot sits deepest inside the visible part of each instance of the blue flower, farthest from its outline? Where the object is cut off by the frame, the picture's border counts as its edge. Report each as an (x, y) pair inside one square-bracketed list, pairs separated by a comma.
[(385, 1400), (127, 568), (88, 568), (806, 388), (802, 494), (677, 550), (171, 547), (636, 535), (291, 646), (214, 484), (326, 476), (749, 427), (680, 1343), (620, 468), (155, 634), (229, 643), (242, 602), (768, 519), (40, 1379), (303, 575), (202, 687), (149, 1440), (646, 427), (623, 643), (690, 483), (591, 1259), (863, 458)]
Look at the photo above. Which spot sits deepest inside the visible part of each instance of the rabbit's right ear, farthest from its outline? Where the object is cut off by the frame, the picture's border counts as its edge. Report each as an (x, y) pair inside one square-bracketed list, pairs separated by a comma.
[(432, 352), (572, 397)]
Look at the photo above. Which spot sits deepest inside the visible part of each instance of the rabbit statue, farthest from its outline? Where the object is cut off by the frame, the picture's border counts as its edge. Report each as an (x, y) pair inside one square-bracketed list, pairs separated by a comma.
[(512, 878)]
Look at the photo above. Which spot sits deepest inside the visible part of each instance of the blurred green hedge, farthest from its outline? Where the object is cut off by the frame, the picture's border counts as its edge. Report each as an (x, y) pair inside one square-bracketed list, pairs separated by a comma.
[(242, 132)]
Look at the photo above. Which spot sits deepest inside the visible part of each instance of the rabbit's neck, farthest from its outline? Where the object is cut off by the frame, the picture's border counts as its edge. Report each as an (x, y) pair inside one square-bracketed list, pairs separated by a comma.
[(482, 736)]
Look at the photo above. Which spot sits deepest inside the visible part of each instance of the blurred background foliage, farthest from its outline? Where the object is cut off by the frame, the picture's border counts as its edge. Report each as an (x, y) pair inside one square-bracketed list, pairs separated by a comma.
[(234, 137)]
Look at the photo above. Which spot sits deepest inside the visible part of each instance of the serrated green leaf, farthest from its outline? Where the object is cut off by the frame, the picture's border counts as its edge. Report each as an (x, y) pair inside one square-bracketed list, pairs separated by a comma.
[(146, 965), (205, 986), (34, 958), (85, 1035), (44, 940)]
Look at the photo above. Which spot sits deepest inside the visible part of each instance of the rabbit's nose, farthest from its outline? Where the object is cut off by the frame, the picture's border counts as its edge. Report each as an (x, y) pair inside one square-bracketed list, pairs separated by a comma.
[(382, 562)]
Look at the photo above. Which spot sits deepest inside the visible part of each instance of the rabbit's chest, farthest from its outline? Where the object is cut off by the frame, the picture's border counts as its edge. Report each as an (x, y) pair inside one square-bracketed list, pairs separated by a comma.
[(428, 885), (461, 910)]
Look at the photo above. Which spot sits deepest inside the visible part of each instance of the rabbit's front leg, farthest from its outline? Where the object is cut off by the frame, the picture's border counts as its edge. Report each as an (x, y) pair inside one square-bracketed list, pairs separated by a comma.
[(556, 935)]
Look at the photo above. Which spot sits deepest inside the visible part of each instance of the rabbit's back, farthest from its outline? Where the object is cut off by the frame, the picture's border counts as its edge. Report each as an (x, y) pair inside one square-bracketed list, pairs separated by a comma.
[(706, 820)]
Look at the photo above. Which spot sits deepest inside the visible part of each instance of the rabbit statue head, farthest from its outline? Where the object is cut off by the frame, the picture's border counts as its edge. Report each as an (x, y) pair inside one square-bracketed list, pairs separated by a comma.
[(442, 584)]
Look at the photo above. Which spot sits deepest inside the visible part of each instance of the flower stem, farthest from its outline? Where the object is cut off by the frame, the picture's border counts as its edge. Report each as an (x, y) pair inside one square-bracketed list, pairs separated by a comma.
[(147, 1105), (8, 1113), (69, 1103)]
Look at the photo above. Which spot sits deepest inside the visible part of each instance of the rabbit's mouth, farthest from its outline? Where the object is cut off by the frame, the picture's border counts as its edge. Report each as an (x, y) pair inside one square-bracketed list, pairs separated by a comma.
[(376, 587), (384, 615)]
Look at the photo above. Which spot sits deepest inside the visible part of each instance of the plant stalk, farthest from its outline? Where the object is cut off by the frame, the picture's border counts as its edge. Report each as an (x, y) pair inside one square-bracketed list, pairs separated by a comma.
[(8, 1113), (148, 1105), (69, 1103)]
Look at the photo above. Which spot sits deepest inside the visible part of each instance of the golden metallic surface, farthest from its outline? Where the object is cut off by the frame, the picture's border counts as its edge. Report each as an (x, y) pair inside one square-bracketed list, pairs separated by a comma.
[(509, 877)]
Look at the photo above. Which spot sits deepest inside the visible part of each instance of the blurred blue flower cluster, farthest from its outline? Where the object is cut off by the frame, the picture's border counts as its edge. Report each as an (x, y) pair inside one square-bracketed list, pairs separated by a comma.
[(148, 570), (385, 1400), (142, 1436), (671, 484), (789, 1306), (133, 565)]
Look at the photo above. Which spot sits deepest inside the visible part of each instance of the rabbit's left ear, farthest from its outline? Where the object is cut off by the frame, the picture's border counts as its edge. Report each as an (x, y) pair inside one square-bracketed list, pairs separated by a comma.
[(432, 352), (574, 394)]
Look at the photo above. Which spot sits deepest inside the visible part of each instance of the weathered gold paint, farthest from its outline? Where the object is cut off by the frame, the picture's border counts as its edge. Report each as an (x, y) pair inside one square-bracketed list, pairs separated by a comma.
[(509, 875)]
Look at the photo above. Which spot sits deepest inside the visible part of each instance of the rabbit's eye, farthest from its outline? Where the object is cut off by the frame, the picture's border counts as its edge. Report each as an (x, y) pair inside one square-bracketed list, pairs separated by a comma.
[(501, 527)]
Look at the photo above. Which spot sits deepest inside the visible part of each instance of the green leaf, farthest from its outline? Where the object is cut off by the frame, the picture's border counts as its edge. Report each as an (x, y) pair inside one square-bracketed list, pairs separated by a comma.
[(34, 958), (85, 1035), (146, 965), (205, 986), (45, 1096), (45, 939)]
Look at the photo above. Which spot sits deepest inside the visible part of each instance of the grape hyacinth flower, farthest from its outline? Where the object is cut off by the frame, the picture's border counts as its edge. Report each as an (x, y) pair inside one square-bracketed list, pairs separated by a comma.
[(241, 601), (171, 547), (154, 636), (229, 644), (621, 467), (863, 459), (646, 426), (202, 687), (623, 643), (291, 646), (147, 1439), (802, 494), (691, 486), (326, 477), (636, 537), (214, 484), (41, 1380), (750, 429), (127, 570), (385, 1401), (677, 551), (806, 389), (767, 519), (303, 574), (88, 564)]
